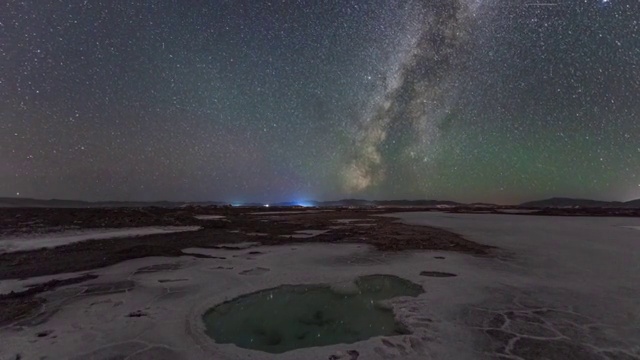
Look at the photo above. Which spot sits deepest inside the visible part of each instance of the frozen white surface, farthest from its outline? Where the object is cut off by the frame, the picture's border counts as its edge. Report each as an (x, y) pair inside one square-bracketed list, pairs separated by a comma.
[(579, 276), (51, 240), (573, 250), (209, 217), (17, 285), (234, 246), (305, 234)]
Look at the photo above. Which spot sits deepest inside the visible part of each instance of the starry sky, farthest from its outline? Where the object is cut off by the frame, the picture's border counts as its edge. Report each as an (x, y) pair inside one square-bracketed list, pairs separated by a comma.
[(471, 100)]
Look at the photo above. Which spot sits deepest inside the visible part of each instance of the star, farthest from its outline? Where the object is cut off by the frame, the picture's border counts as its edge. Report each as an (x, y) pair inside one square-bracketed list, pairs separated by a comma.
[(280, 101)]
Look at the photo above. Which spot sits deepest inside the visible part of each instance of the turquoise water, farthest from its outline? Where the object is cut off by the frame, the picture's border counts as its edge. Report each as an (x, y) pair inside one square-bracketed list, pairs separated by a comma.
[(297, 316)]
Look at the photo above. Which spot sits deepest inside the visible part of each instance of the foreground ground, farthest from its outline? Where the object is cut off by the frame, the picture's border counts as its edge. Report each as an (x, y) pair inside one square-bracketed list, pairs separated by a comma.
[(518, 287)]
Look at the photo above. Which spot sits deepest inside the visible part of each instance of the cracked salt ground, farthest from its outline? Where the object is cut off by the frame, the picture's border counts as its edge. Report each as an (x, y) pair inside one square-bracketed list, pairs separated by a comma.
[(562, 288), (574, 291), (529, 331)]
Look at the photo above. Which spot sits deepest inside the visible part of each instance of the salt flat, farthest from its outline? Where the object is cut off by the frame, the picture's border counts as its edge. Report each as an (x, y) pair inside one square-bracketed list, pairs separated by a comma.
[(51, 240), (209, 217), (573, 251), (578, 276), (557, 288)]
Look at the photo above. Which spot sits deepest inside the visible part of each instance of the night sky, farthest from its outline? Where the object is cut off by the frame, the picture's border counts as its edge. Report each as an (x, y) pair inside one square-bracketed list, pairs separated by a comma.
[(471, 100)]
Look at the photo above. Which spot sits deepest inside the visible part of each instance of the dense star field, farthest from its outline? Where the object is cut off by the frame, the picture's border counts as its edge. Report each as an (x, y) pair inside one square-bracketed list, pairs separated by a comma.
[(469, 100)]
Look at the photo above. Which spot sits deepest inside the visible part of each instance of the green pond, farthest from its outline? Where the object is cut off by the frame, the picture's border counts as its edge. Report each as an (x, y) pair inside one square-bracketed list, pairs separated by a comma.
[(298, 316)]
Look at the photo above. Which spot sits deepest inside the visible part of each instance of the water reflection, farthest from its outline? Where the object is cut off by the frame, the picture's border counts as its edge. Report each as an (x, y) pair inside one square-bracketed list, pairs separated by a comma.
[(298, 316)]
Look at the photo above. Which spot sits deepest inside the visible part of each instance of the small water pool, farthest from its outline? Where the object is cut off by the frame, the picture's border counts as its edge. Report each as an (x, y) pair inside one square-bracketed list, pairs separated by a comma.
[(298, 316)]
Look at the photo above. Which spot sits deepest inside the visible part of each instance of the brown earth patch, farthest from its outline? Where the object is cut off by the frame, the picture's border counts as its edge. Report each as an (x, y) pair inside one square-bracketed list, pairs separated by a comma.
[(385, 234), (17, 305)]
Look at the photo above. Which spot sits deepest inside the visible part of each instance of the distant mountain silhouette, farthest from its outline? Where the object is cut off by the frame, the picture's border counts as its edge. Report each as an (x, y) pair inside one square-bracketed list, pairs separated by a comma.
[(584, 203), (417, 203), (557, 202), (369, 203), (634, 204), (58, 203)]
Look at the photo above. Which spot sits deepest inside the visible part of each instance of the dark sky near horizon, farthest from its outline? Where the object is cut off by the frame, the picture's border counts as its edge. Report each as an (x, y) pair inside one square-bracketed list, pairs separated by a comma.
[(469, 100)]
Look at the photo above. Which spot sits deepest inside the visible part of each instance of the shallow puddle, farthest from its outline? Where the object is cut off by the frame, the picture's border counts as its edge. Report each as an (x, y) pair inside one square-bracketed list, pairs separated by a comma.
[(298, 316)]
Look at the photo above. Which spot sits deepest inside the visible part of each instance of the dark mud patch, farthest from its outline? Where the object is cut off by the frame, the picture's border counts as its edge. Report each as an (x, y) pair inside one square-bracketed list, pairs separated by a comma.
[(203, 256), (19, 305), (136, 314), (437, 274), (162, 281), (255, 271), (109, 288), (223, 268), (158, 268), (45, 333)]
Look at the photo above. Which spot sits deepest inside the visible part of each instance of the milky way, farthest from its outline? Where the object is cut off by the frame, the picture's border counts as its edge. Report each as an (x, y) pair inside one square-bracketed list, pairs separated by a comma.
[(417, 93), (469, 100)]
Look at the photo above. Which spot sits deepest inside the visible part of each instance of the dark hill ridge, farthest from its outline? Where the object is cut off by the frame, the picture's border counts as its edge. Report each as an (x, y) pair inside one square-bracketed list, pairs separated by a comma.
[(58, 203), (369, 203), (633, 204), (557, 202), (584, 203)]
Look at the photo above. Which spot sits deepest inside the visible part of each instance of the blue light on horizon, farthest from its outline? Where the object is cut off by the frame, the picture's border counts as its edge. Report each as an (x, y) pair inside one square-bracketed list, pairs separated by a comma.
[(303, 203)]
